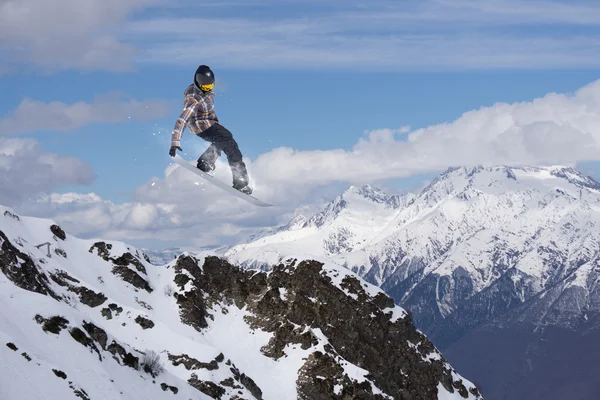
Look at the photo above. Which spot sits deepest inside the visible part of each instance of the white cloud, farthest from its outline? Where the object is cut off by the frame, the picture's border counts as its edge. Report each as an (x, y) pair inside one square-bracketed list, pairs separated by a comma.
[(62, 34), (25, 170), (32, 115), (554, 129), (181, 209), (389, 35), (115, 34)]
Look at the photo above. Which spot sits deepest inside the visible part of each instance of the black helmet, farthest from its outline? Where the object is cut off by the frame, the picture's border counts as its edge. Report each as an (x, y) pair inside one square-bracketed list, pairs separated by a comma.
[(204, 78)]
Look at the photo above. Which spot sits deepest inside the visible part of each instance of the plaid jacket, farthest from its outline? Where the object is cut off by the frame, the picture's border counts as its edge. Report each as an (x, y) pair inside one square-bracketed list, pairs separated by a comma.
[(198, 113)]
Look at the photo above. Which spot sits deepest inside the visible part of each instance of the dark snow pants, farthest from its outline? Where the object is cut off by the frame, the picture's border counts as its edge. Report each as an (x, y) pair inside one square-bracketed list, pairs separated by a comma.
[(222, 140)]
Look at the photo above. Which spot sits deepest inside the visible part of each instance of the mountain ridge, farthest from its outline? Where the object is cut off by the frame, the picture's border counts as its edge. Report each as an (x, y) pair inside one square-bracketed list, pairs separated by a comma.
[(96, 319)]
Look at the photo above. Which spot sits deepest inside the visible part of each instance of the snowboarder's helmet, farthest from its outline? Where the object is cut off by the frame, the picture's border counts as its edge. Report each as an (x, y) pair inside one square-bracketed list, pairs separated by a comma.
[(204, 78)]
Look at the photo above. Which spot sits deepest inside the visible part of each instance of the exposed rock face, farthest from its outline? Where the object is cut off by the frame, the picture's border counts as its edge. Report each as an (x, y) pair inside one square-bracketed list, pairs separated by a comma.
[(121, 265), (401, 361), (22, 270), (144, 322), (58, 232), (53, 324)]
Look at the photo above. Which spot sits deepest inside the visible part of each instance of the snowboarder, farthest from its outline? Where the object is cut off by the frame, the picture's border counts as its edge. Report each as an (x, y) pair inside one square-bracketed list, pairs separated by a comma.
[(199, 115)]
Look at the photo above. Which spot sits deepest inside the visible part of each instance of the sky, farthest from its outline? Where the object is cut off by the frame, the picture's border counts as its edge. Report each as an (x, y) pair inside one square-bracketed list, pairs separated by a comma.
[(318, 95)]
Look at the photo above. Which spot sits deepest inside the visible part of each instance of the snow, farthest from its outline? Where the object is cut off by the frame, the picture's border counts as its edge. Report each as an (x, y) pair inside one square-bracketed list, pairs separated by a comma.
[(580, 277), (444, 394), (340, 228), (397, 313)]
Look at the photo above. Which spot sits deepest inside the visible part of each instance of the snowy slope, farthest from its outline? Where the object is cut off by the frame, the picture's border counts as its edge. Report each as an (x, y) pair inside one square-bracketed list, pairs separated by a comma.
[(349, 223), (470, 231), (78, 318)]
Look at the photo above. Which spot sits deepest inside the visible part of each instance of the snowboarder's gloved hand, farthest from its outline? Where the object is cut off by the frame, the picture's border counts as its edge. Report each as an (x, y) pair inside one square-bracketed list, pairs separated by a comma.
[(173, 150)]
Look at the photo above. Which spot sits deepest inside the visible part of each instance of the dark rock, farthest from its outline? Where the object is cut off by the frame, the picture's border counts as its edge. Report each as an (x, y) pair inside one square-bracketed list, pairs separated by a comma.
[(12, 346), (286, 333), (115, 307), (79, 392), (132, 277), (143, 304), (61, 277), (21, 269), (58, 232), (319, 376), (191, 363), (11, 215), (192, 308), (86, 296), (53, 324), (180, 280), (247, 382), (96, 333), (26, 356), (60, 252), (209, 388), (145, 323), (103, 250), (83, 339), (229, 382), (106, 313), (89, 297), (129, 259), (59, 373), (358, 327), (127, 358), (166, 387)]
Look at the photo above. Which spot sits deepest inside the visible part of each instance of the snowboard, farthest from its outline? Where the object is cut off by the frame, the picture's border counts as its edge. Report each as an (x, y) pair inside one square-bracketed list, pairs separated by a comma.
[(192, 167)]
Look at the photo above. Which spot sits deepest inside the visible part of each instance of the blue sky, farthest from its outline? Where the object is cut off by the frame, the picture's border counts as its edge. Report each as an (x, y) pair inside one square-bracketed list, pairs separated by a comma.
[(99, 85)]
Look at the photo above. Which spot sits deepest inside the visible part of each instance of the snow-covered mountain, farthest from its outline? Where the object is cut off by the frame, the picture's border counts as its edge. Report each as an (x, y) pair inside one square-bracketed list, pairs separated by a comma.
[(510, 247), (349, 223), (468, 231), (165, 256), (94, 319)]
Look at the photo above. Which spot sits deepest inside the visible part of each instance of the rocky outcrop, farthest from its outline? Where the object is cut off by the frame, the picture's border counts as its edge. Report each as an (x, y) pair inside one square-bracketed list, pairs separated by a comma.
[(58, 232), (22, 270), (145, 323), (294, 301), (132, 277), (122, 264)]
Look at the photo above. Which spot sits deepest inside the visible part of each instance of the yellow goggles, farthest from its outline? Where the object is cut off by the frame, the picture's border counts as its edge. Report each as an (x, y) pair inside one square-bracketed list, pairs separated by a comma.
[(206, 88)]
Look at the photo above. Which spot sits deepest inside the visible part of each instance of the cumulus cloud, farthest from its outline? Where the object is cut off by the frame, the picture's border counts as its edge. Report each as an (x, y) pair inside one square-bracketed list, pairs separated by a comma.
[(62, 34), (179, 208), (33, 115), (26, 171), (557, 128)]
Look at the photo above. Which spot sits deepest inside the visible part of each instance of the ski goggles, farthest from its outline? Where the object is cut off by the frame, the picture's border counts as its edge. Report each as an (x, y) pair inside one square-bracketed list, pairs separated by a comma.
[(208, 87)]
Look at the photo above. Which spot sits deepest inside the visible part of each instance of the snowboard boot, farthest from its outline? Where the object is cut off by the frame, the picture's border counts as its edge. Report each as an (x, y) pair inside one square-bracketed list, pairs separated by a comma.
[(240, 178), (205, 167), (244, 189)]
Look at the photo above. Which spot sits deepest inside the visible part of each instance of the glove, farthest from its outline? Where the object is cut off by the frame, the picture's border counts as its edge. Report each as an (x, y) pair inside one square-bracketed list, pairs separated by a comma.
[(173, 150)]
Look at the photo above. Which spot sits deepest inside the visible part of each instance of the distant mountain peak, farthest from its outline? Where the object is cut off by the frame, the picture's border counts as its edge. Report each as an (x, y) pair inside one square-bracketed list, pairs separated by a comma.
[(368, 192), (456, 180)]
